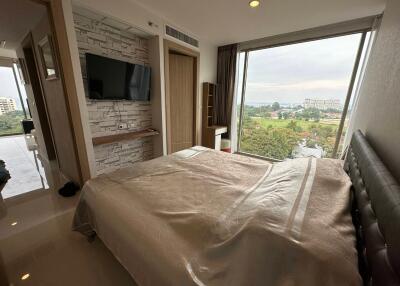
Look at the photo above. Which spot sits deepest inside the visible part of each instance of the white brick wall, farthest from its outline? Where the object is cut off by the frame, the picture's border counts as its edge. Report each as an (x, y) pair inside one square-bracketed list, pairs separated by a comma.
[(105, 116)]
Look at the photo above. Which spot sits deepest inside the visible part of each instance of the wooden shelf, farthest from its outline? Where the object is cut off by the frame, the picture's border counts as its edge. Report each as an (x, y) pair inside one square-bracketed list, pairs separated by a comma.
[(218, 130), (124, 136), (211, 134)]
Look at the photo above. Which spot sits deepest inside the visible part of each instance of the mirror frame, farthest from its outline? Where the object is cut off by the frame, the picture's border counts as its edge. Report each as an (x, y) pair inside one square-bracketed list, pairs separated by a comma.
[(48, 40)]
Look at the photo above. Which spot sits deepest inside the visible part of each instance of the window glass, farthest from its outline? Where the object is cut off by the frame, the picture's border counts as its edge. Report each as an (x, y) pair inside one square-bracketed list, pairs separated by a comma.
[(11, 108), (294, 97)]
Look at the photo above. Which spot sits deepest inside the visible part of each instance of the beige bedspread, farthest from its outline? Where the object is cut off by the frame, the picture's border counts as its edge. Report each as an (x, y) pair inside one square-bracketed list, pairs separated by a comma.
[(202, 217)]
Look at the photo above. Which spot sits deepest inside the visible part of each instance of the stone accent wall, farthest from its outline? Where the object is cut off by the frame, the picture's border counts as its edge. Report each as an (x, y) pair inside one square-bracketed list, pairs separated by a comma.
[(96, 37)]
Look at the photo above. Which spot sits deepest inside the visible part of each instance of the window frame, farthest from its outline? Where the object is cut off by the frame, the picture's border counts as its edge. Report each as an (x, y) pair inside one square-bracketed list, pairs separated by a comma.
[(359, 26)]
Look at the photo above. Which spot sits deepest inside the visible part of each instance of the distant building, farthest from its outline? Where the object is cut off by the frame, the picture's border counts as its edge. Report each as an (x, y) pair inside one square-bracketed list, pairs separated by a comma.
[(322, 104), (275, 115), (7, 105)]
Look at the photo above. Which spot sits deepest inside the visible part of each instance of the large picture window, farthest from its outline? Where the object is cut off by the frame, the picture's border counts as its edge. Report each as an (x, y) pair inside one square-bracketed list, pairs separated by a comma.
[(13, 104), (295, 99)]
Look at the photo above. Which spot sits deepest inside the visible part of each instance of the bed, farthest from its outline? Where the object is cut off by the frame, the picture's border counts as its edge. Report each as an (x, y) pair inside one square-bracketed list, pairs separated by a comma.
[(202, 217), (375, 213)]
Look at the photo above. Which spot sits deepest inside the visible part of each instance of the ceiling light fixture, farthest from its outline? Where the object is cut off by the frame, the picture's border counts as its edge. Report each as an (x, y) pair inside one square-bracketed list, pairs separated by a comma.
[(14, 223), (254, 3), (25, 276)]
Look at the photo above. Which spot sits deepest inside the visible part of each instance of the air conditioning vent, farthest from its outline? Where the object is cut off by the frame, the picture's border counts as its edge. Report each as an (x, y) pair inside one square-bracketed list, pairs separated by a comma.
[(181, 36)]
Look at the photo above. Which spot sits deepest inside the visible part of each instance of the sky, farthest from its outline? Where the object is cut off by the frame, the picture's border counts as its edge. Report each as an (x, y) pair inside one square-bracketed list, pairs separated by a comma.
[(8, 87), (288, 74)]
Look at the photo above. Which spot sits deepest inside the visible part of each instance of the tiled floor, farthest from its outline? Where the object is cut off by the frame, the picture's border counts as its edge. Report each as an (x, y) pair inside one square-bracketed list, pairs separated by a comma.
[(36, 242), (37, 245), (26, 171)]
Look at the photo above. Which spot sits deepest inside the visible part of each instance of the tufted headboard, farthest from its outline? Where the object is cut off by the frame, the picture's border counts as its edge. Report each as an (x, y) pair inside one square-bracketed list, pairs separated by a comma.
[(376, 214)]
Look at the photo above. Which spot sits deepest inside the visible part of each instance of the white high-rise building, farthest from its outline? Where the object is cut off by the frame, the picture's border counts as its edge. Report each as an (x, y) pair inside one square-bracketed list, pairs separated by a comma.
[(322, 104), (7, 105)]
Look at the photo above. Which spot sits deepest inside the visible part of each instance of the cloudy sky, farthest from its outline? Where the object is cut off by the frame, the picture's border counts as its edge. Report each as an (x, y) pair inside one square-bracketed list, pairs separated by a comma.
[(289, 74), (7, 85)]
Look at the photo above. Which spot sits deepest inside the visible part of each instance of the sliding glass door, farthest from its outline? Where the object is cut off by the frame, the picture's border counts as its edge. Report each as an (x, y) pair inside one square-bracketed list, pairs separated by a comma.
[(13, 102), (295, 98)]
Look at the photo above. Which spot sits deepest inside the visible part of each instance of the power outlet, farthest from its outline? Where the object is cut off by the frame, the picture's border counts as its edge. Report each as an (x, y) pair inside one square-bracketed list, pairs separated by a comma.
[(122, 126)]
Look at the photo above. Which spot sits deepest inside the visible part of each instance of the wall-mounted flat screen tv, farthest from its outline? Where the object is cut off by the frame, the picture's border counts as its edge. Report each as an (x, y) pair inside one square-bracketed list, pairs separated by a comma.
[(110, 79)]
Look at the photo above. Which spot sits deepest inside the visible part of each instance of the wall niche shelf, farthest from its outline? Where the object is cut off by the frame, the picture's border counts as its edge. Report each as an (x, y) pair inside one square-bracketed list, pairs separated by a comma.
[(124, 136), (211, 133)]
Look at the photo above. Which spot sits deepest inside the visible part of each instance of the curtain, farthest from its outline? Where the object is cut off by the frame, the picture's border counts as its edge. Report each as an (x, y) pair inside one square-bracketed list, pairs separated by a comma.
[(226, 77)]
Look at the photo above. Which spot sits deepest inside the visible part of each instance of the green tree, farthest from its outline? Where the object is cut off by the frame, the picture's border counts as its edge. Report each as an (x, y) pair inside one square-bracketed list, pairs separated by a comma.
[(10, 123), (285, 115), (323, 136), (293, 126), (272, 142), (276, 106)]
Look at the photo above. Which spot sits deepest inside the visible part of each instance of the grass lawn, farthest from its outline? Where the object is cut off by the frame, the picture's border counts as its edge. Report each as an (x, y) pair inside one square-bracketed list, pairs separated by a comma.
[(10, 123), (12, 131), (265, 122)]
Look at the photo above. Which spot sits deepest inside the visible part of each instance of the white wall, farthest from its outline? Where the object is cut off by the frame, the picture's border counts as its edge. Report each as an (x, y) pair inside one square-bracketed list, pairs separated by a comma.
[(208, 62), (378, 111), (96, 37), (7, 53), (130, 12), (158, 95), (126, 11), (134, 14), (208, 69), (76, 65)]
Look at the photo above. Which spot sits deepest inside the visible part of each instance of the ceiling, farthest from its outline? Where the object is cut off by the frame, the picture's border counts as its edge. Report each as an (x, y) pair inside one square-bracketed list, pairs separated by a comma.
[(17, 17), (229, 21)]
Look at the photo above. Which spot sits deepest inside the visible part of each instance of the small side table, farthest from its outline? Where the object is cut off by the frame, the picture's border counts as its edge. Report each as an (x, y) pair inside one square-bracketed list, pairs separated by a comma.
[(213, 136)]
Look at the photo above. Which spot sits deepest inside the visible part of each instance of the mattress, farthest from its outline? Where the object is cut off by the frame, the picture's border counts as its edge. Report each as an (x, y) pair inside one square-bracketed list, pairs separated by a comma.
[(203, 217)]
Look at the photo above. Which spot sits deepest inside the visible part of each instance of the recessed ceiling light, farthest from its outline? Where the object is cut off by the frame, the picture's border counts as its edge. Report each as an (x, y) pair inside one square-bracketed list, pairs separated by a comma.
[(25, 276), (254, 3), (14, 223)]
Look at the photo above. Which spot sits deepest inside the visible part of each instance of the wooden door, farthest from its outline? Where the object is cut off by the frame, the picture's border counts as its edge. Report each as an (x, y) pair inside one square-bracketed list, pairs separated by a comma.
[(181, 94)]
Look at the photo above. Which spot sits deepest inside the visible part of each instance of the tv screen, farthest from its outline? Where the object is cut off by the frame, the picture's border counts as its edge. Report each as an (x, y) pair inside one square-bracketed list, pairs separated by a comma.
[(111, 79)]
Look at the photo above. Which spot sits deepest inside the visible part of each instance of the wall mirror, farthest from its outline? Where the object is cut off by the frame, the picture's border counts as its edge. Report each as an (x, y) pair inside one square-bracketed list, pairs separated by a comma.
[(22, 72), (46, 50)]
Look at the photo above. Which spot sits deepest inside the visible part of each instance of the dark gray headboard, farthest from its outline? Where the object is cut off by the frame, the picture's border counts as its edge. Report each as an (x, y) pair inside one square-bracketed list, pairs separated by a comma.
[(376, 214)]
